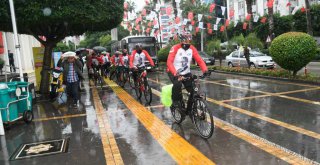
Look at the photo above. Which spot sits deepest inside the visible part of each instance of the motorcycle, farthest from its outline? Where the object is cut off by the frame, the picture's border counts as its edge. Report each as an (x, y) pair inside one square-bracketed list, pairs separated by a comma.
[(56, 82)]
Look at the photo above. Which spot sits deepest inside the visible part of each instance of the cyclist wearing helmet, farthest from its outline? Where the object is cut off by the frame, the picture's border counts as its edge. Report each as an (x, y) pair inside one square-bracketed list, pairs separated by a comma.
[(138, 58), (178, 63), (115, 61)]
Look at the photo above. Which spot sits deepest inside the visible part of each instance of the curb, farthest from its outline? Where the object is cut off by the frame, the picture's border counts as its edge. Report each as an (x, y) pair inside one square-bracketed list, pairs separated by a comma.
[(268, 77)]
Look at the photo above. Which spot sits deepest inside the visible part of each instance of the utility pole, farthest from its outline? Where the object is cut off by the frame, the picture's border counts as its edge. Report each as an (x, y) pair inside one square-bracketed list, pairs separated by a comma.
[(16, 39)]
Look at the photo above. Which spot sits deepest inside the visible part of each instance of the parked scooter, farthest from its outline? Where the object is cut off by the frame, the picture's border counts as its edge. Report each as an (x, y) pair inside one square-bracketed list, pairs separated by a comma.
[(56, 82)]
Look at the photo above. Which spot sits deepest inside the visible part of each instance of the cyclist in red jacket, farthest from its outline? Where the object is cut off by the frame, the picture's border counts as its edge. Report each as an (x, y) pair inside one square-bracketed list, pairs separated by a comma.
[(178, 63), (137, 60)]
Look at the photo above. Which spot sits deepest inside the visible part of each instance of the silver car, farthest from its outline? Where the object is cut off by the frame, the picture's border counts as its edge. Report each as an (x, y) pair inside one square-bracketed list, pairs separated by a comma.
[(257, 60)]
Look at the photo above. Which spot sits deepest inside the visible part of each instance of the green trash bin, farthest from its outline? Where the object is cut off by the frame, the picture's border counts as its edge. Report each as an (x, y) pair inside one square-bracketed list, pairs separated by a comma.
[(25, 104), (8, 95)]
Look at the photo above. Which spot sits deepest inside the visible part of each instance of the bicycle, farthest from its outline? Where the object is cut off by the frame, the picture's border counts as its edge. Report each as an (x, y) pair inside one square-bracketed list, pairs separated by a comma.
[(124, 77), (142, 85), (199, 113), (97, 78)]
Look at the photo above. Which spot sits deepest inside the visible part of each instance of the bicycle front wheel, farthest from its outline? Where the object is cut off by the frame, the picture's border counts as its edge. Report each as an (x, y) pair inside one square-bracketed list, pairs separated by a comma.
[(147, 92), (131, 80), (202, 118)]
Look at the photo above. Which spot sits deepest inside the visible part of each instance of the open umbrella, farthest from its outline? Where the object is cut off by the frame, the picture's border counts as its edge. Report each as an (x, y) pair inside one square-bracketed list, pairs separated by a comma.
[(80, 49), (99, 49)]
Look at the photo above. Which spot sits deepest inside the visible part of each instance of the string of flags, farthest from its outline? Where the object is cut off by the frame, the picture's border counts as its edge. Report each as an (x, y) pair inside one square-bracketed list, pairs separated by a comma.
[(181, 24)]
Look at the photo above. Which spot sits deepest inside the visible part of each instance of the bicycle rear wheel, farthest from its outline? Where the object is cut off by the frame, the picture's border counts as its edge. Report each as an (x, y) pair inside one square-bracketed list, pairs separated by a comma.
[(202, 118), (147, 92)]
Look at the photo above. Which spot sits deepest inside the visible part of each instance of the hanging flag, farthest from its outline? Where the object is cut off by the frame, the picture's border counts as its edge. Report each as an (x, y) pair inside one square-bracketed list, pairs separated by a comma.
[(295, 10), (138, 27), (148, 30), (303, 9), (197, 29), (190, 27), (200, 17), (125, 15), (149, 24), (209, 17), (215, 27), (218, 20), (222, 28), (256, 18), (156, 33), (130, 29), (161, 27), (244, 26), (231, 13), (144, 12), (125, 5), (223, 9), (210, 31), (173, 30), (147, 2), (137, 20), (190, 15), (212, 6), (169, 10), (175, 37), (155, 22), (200, 25), (185, 21), (193, 22), (208, 25), (235, 23), (270, 3), (288, 4), (263, 20), (183, 26), (177, 20), (248, 17), (227, 23)]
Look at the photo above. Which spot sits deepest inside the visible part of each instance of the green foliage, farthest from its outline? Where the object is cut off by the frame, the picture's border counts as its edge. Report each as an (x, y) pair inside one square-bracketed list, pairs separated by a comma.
[(300, 21), (61, 47), (238, 39), (1, 62), (293, 50), (213, 47), (253, 41), (105, 40)]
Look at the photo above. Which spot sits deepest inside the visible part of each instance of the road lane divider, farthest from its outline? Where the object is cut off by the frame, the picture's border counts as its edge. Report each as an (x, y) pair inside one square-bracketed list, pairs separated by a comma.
[(177, 147), (261, 143), (110, 148)]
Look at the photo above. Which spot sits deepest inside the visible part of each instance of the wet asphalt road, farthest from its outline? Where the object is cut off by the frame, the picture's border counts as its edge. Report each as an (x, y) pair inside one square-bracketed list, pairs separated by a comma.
[(251, 105)]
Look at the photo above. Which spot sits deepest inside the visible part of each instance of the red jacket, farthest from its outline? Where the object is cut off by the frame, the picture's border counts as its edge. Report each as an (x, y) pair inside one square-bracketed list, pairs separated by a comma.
[(195, 56), (132, 56)]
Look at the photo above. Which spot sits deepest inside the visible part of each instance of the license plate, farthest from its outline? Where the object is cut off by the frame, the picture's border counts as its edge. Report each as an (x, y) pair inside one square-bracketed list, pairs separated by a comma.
[(208, 61), (148, 67)]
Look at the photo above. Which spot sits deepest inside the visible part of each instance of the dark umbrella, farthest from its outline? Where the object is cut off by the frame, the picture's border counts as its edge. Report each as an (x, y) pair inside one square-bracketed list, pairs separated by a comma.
[(99, 49), (80, 49)]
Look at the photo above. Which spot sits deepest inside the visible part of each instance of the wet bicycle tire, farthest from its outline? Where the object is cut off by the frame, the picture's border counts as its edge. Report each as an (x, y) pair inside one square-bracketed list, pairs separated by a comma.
[(131, 81), (147, 92), (200, 113)]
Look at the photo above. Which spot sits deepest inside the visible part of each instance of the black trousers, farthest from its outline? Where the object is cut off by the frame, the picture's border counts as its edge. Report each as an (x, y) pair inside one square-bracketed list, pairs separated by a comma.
[(73, 91), (12, 67), (177, 91)]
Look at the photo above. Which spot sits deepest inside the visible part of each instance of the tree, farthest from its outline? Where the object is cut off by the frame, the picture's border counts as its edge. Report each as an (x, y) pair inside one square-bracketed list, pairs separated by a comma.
[(57, 19), (249, 11), (308, 15), (105, 40), (271, 22), (214, 47)]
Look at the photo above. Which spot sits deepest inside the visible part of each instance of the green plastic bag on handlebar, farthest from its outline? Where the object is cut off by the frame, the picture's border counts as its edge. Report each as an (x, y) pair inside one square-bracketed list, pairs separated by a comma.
[(166, 92)]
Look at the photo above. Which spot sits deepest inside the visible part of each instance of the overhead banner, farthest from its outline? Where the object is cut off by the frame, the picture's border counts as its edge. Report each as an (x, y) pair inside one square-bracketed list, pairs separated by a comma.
[(38, 53)]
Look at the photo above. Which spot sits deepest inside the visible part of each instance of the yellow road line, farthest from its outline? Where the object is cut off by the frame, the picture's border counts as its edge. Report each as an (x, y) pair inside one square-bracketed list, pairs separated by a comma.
[(110, 148), (267, 93), (59, 117), (180, 150), (297, 91), (263, 144), (261, 117), (267, 80), (244, 98)]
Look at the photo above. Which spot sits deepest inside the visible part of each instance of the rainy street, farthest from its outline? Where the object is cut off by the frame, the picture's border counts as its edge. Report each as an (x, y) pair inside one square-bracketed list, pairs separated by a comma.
[(257, 121)]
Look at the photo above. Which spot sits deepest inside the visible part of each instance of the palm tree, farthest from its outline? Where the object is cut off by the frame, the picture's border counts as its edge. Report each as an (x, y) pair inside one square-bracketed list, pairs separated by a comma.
[(309, 25), (249, 11)]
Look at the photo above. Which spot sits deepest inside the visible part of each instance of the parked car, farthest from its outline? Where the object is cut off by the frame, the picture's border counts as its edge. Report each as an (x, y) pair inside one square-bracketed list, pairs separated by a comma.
[(209, 60), (257, 60)]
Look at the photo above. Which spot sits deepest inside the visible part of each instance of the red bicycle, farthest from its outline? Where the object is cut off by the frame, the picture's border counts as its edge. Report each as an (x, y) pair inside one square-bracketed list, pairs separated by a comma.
[(141, 86)]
